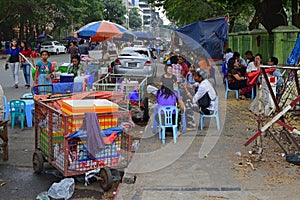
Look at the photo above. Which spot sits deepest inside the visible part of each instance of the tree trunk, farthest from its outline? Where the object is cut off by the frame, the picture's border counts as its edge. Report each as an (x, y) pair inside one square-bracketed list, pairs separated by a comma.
[(231, 23), (269, 13), (295, 13)]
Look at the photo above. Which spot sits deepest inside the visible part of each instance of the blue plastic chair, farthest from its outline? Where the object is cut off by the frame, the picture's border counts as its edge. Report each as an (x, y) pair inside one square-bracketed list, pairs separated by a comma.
[(215, 114), (91, 81), (253, 93), (167, 111), (229, 90), (17, 109), (27, 96)]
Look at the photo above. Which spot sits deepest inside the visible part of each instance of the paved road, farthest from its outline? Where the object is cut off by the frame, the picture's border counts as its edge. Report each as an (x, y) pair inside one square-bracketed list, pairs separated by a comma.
[(17, 176), (20, 182)]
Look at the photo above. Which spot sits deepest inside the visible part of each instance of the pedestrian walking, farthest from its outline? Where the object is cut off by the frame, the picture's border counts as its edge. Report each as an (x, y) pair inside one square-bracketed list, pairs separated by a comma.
[(73, 50), (14, 60), (25, 65)]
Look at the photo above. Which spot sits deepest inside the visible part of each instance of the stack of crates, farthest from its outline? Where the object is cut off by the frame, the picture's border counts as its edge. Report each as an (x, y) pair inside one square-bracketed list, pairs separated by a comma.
[(108, 156), (75, 110), (58, 138), (74, 123)]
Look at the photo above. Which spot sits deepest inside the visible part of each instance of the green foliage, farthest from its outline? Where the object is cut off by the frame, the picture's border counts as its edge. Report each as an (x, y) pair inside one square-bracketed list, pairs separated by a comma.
[(135, 20), (183, 12), (51, 16), (114, 11)]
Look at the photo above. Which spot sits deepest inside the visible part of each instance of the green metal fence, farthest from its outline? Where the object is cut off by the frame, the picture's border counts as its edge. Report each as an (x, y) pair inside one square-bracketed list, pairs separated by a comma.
[(279, 44)]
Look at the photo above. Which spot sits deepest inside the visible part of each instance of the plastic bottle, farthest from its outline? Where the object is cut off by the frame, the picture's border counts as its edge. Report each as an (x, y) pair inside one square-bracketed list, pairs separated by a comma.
[(175, 86)]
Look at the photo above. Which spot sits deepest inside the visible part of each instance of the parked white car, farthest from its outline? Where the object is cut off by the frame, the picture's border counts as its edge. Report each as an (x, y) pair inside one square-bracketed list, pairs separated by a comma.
[(53, 47), (136, 61)]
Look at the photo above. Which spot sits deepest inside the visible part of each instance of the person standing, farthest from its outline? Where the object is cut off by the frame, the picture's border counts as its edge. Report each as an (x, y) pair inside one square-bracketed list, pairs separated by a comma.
[(14, 60), (73, 50), (43, 74), (26, 52)]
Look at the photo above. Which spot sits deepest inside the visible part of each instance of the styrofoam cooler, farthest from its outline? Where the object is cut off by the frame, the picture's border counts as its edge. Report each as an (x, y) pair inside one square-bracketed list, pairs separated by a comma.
[(64, 77)]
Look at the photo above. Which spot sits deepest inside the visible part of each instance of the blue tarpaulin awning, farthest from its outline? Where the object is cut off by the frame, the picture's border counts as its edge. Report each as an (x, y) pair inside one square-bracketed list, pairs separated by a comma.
[(143, 35), (294, 57), (211, 35)]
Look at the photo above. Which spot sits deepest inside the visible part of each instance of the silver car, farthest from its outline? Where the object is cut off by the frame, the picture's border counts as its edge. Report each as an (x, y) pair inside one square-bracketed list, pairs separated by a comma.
[(136, 61)]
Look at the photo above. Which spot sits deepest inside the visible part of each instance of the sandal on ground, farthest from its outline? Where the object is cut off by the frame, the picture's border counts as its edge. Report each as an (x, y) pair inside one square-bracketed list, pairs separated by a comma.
[(242, 97), (179, 133)]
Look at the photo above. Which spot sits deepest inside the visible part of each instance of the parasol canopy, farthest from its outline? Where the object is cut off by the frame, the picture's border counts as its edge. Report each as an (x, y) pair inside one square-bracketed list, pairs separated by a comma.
[(143, 35), (70, 37), (100, 31), (42, 36)]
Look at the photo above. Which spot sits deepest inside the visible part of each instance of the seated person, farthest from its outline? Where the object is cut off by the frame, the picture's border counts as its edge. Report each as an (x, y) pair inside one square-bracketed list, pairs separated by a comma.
[(76, 67), (255, 65), (242, 63), (167, 97), (189, 77), (249, 57), (204, 64), (273, 61), (205, 93), (235, 80)]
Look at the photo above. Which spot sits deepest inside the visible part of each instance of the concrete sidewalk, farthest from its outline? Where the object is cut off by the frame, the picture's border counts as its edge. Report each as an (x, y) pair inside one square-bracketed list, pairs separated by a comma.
[(201, 164)]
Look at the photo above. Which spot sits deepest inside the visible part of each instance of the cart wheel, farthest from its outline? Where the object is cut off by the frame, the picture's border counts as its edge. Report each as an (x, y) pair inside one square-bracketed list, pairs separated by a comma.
[(38, 162), (106, 177), (146, 110)]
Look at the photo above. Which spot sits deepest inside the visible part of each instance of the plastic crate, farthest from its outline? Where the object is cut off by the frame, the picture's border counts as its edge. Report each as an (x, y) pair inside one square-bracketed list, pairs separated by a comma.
[(75, 123)]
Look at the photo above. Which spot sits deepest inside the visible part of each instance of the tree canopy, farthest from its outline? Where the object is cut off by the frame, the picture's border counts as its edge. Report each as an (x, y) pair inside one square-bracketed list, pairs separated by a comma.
[(29, 18), (269, 13), (135, 21), (114, 11)]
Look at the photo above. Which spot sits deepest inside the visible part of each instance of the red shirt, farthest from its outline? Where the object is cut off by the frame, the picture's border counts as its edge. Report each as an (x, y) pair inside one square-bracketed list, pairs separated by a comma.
[(26, 53), (185, 69)]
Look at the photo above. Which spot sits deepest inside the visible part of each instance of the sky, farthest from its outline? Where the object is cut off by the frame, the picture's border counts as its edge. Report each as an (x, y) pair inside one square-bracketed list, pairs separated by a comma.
[(163, 16)]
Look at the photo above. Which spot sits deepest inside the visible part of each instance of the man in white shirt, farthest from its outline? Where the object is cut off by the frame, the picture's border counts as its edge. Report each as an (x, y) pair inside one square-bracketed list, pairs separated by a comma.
[(205, 95), (228, 55)]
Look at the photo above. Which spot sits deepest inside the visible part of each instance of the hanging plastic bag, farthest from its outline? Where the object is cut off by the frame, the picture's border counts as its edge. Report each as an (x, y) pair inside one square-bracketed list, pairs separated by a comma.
[(62, 190)]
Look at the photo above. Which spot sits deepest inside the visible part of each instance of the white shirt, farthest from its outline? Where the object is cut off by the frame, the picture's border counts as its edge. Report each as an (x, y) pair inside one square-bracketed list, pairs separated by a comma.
[(204, 87), (242, 61), (228, 56), (251, 67)]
